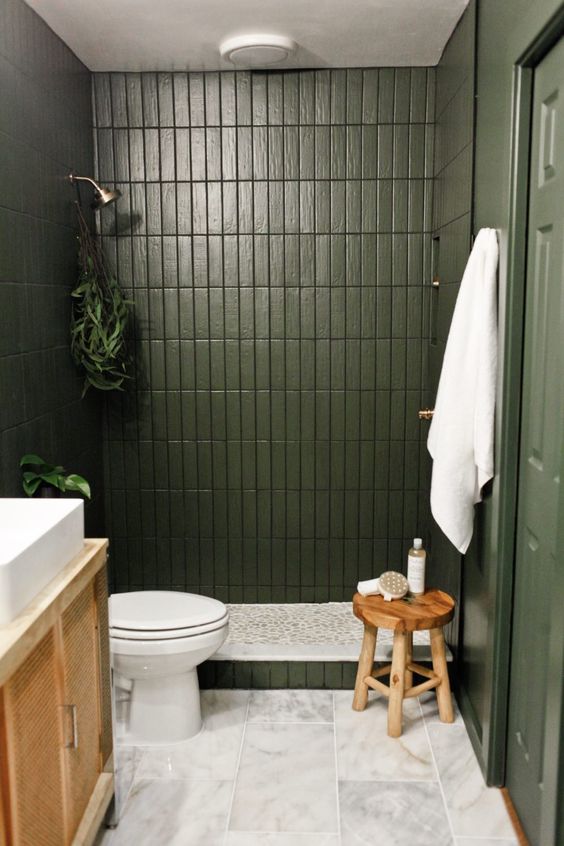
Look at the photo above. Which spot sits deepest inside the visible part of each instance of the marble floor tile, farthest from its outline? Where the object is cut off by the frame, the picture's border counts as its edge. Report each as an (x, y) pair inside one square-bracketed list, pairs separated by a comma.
[(486, 841), (475, 810), (126, 762), (393, 814), (245, 838), (290, 706), (285, 786), (213, 753), (364, 750), (430, 709), (173, 813), (286, 779)]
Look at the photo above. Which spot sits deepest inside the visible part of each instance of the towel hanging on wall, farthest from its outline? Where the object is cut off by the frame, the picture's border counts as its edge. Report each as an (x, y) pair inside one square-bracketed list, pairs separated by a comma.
[(462, 432)]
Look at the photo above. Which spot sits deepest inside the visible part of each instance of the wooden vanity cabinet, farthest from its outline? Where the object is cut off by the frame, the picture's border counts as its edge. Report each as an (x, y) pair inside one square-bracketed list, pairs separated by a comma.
[(55, 710)]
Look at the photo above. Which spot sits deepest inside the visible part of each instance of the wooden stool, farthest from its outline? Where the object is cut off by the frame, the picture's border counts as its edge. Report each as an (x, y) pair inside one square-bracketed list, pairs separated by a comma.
[(432, 610)]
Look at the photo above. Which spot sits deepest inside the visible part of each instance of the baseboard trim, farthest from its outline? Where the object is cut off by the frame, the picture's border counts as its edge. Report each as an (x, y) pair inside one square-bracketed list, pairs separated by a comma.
[(514, 816)]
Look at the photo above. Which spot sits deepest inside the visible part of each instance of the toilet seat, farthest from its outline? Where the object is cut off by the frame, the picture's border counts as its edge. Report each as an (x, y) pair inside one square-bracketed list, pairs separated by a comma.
[(164, 615)]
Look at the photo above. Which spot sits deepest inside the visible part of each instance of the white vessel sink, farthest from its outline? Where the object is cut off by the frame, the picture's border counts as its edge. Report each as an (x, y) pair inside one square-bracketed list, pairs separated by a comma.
[(38, 537)]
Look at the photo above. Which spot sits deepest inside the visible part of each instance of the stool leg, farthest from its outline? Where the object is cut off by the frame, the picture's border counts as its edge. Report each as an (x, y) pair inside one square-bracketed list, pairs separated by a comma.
[(408, 660), (397, 684), (444, 699), (365, 665)]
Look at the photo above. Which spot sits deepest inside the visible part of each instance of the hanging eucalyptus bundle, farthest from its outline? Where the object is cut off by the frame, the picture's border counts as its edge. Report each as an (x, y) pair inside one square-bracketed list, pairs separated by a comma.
[(99, 320)]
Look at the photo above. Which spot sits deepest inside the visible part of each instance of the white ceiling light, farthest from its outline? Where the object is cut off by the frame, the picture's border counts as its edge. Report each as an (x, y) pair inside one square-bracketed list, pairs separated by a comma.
[(257, 51)]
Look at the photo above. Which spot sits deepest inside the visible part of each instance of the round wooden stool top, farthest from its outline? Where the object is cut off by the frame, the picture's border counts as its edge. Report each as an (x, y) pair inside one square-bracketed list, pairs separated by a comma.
[(432, 610)]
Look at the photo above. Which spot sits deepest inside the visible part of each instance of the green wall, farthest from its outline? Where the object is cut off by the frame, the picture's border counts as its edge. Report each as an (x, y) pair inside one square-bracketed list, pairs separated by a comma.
[(274, 232), (505, 29), (45, 131), (452, 230)]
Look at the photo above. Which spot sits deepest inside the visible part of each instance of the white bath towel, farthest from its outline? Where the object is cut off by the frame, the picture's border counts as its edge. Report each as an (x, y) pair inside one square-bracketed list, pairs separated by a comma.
[(461, 434)]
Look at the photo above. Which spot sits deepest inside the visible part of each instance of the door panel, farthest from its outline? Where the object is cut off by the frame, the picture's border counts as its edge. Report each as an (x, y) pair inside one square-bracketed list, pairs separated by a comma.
[(32, 702), (80, 661), (539, 462), (104, 684)]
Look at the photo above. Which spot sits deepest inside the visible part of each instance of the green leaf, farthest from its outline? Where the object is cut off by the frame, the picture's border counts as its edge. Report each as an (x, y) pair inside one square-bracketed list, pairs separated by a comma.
[(99, 318), (28, 476), (31, 486), (77, 483), (30, 458), (54, 479)]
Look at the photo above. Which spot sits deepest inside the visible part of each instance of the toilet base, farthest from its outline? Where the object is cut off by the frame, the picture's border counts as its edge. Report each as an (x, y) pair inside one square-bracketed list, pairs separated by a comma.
[(164, 709)]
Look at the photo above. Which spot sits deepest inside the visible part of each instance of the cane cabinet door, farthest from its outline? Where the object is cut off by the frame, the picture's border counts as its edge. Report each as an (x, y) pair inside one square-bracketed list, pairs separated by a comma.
[(33, 749), (81, 706)]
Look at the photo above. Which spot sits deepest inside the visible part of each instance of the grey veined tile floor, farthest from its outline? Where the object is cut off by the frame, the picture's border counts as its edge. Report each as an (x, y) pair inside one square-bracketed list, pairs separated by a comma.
[(300, 768)]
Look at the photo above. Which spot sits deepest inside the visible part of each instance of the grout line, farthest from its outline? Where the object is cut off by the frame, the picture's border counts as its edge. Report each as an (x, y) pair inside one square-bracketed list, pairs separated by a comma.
[(406, 781), (486, 839), (290, 722), (453, 159), (251, 125), (292, 833), (439, 781), (167, 778), (336, 765), (237, 768)]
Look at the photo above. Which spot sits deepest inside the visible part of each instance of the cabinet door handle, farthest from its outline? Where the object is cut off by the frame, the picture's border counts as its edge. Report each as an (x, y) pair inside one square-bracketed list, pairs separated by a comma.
[(73, 743)]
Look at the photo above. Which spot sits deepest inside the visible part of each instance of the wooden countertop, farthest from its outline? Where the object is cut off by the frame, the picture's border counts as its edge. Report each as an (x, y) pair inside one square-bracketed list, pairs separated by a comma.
[(19, 638)]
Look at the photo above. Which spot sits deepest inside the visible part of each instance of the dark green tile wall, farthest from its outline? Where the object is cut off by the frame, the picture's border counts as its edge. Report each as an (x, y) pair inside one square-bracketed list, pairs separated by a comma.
[(324, 675), (452, 231), (45, 131), (275, 235)]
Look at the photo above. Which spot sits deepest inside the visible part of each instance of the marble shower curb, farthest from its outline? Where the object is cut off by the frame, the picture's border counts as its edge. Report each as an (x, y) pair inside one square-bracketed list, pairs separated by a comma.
[(305, 632)]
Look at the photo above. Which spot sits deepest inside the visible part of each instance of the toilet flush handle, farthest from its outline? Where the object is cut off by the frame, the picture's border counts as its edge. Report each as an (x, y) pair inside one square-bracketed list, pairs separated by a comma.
[(426, 413)]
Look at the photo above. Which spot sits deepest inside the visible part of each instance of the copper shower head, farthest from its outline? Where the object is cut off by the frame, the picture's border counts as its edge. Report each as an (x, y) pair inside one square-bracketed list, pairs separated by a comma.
[(102, 196)]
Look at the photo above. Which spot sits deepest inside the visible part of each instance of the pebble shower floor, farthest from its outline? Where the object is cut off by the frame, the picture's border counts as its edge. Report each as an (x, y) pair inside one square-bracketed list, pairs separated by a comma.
[(301, 768)]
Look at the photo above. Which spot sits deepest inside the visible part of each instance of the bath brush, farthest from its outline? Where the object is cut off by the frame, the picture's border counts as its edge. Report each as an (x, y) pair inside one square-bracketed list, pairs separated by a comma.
[(393, 585)]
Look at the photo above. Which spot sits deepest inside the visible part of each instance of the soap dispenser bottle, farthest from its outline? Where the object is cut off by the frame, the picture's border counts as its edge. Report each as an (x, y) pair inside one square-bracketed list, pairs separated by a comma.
[(416, 567)]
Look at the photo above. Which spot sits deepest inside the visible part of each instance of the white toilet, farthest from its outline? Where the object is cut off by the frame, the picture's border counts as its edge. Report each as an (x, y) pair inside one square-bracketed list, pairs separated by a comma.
[(157, 639)]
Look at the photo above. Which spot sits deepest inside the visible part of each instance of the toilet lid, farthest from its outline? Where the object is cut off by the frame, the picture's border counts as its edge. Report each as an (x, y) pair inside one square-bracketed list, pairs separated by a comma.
[(162, 610)]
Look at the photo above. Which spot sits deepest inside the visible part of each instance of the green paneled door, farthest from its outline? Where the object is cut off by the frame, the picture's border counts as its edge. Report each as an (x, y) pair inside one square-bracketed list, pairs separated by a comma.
[(531, 704)]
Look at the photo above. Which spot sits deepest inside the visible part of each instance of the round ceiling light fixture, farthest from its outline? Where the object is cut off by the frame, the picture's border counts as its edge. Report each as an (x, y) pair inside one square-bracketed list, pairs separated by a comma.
[(257, 51)]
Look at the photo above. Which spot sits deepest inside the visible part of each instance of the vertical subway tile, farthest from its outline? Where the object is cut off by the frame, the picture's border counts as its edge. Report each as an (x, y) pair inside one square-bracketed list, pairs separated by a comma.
[(258, 98), (243, 98), (181, 96), (166, 102), (228, 99), (386, 86), (197, 100), (291, 99), (275, 98), (278, 260), (355, 79), (402, 95), (150, 99), (134, 99), (307, 97)]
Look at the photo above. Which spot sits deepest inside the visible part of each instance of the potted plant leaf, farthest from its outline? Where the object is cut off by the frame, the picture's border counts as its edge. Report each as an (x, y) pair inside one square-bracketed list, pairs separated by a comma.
[(50, 479), (100, 316)]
